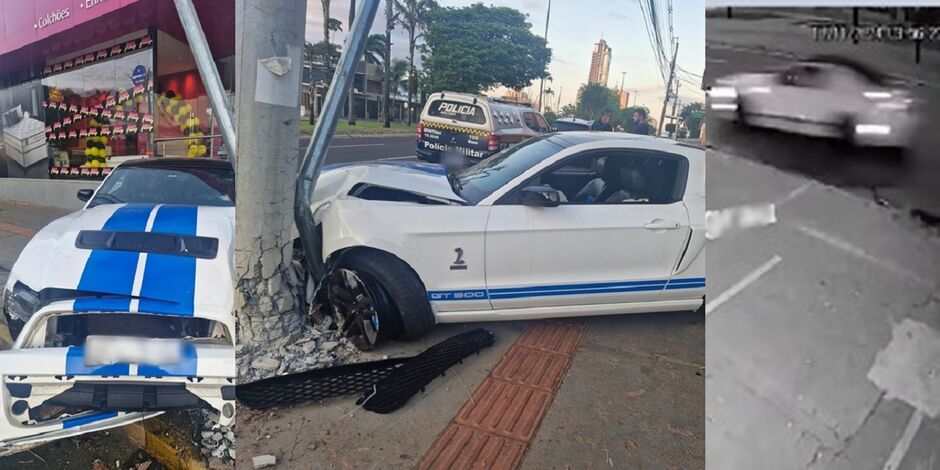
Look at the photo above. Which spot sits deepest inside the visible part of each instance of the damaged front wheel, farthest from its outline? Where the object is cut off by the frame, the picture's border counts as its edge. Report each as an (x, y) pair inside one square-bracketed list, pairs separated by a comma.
[(356, 304)]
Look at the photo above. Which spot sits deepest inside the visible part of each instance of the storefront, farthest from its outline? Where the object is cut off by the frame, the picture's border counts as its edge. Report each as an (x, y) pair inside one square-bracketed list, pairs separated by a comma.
[(87, 84)]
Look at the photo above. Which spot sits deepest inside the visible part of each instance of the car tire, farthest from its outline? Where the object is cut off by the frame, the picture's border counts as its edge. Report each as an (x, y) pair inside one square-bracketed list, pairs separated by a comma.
[(847, 131), (740, 116), (411, 316)]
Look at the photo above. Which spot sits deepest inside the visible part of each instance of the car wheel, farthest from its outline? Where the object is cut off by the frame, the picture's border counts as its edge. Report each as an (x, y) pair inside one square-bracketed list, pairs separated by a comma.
[(393, 297), (740, 116), (847, 131)]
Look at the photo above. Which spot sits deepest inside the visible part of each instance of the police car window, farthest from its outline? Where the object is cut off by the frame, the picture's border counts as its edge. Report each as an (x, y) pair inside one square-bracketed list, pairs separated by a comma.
[(530, 121), (457, 111), (543, 124)]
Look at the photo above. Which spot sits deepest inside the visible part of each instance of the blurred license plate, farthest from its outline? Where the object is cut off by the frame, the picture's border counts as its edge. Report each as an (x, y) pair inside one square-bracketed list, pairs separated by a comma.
[(104, 350)]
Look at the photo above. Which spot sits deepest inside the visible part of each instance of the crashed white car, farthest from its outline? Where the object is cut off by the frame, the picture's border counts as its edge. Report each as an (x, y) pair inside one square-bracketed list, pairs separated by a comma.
[(823, 97), (124, 309), (579, 223)]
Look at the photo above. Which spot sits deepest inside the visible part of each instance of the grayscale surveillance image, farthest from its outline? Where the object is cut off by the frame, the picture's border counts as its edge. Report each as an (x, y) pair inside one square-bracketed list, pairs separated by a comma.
[(823, 313)]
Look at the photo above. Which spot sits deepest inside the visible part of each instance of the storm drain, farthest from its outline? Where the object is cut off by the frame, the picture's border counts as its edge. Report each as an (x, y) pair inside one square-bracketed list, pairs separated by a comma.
[(386, 385)]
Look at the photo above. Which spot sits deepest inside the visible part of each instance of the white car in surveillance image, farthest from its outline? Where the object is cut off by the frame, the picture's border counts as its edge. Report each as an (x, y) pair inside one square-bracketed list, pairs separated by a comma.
[(123, 310), (565, 224), (826, 97)]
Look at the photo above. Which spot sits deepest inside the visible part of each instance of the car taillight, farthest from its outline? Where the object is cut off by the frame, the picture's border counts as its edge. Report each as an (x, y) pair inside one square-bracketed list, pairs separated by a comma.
[(420, 130), (492, 143)]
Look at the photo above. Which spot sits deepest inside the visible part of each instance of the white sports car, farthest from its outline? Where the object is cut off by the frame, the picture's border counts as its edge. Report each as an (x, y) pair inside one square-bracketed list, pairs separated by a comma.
[(823, 97), (579, 223), (124, 308)]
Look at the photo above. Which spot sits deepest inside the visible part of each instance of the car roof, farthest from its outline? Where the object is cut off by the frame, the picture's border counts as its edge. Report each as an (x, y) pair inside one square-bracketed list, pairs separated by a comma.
[(616, 139), (177, 162)]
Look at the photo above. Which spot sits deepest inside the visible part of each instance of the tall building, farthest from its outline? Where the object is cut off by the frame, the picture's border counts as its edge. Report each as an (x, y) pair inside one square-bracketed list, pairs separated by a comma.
[(600, 63), (624, 98)]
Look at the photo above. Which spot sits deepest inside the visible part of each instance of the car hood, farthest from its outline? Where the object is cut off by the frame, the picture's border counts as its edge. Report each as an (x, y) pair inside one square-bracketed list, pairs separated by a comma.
[(106, 279), (747, 79), (418, 178)]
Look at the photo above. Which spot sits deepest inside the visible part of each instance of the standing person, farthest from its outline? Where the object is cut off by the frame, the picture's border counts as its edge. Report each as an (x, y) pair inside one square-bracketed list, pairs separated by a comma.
[(639, 124), (604, 123)]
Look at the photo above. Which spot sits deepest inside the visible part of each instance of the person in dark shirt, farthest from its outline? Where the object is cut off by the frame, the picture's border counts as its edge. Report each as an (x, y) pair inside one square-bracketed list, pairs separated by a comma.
[(639, 124), (604, 123)]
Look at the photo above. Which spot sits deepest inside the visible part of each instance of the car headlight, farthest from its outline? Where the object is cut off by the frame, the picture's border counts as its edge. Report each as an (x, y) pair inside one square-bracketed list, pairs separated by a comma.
[(22, 302), (723, 92)]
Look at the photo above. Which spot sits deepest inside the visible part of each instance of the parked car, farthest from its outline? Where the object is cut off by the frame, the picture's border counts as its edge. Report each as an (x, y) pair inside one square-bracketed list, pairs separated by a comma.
[(123, 309), (572, 124), (474, 126), (823, 97), (565, 224)]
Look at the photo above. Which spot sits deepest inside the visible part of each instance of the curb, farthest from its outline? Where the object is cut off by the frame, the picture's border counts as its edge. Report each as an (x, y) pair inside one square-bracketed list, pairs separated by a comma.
[(166, 443)]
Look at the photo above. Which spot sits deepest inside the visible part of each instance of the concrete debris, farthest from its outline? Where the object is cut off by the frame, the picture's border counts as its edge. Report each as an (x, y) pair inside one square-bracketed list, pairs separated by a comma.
[(262, 461), (313, 347), (218, 442)]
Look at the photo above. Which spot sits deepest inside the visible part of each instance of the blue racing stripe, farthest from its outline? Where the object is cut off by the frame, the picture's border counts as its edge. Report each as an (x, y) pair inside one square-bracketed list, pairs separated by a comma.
[(186, 368), (75, 365), (565, 289), (80, 420), (112, 272), (170, 278)]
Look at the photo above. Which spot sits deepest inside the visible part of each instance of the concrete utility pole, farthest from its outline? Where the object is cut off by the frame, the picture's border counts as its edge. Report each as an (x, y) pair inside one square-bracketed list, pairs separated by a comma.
[(672, 70), (268, 49), (623, 77), (542, 82), (352, 86), (675, 101)]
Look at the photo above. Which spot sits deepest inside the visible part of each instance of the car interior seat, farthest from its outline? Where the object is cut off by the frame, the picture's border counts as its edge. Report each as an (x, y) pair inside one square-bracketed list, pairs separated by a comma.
[(594, 188)]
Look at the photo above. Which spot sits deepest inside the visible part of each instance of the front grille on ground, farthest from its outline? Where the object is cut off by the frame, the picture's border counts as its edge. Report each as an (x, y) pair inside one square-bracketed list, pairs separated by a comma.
[(390, 382)]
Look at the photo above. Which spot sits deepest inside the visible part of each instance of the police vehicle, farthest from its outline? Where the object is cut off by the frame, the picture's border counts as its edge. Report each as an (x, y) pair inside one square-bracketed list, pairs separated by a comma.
[(565, 224), (475, 126), (123, 310)]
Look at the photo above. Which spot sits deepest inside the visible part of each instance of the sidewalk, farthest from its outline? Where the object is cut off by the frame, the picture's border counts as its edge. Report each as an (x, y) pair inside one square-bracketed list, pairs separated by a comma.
[(799, 311)]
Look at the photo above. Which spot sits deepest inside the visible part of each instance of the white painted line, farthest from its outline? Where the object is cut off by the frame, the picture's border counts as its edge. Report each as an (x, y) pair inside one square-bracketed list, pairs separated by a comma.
[(739, 286), (796, 192), (399, 158), (354, 145), (904, 443), (862, 254)]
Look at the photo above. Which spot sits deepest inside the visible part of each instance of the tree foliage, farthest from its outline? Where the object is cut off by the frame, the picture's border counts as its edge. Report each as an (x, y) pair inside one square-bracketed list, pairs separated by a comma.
[(593, 99), (323, 52), (693, 114), (471, 49)]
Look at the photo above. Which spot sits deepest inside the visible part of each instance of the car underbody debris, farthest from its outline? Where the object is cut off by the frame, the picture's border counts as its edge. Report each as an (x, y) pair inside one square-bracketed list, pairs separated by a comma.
[(386, 384)]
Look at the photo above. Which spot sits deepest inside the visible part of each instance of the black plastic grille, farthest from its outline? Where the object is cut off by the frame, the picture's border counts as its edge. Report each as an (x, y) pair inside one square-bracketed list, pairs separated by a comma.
[(392, 392), (395, 380), (149, 242), (316, 384)]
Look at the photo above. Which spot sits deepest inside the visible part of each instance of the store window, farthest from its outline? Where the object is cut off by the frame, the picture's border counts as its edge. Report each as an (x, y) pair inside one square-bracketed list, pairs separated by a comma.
[(99, 115), (23, 143)]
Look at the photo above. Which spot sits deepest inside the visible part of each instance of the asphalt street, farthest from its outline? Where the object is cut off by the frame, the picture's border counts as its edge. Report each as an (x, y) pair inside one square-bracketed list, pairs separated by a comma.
[(359, 149), (911, 182), (822, 327)]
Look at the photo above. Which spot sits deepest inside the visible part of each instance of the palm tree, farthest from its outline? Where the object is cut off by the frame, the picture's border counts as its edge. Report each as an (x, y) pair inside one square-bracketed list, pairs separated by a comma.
[(413, 16), (326, 20), (375, 49), (390, 19), (545, 94)]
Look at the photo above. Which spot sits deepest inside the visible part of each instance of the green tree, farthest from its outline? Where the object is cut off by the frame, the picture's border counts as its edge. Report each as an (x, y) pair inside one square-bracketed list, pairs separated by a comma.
[(413, 15), (693, 114), (323, 52), (593, 99), (550, 116), (375, 49), (474, 48)]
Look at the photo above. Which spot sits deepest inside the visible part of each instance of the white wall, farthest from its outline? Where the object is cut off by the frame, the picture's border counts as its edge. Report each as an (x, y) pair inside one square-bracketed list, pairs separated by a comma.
[(53, 193)]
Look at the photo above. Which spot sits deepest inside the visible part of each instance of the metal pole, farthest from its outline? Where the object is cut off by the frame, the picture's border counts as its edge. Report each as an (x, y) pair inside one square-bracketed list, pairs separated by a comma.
[(351, 101), (675, 101), (209, 74), (542, 81), (315, 155), (672, 70)]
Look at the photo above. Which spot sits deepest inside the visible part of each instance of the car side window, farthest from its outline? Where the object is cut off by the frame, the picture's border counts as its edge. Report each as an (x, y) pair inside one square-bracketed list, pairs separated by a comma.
[(530, 121), (543, 124), (619, 177)]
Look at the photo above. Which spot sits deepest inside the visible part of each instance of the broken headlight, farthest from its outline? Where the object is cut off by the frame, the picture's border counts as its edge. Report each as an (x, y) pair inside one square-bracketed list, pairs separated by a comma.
[(21, 303)]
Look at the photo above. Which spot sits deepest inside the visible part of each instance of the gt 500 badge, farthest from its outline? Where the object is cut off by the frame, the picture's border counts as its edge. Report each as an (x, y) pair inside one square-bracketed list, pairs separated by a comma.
[(458, 295)]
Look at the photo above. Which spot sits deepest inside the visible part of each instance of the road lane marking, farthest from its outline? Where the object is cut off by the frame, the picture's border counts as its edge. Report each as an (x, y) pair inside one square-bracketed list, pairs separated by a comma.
[(739, 286), (904, 443), (354, 145), (853, 250), (793, 194)]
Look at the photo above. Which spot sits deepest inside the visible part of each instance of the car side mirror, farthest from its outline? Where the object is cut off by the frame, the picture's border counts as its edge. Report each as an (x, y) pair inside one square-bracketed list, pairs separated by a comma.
[(540, 196), (85, 194)]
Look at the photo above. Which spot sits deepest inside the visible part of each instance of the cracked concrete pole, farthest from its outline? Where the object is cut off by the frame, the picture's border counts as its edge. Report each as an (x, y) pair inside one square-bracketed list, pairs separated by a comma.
[(269, 42)]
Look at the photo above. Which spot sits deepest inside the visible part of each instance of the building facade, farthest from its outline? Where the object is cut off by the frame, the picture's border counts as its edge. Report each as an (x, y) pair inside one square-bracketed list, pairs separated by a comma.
[(87, 84), (600, 63)]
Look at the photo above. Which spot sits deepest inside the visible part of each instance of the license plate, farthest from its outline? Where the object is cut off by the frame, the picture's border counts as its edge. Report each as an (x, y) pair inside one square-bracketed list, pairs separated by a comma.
[(105, 350)]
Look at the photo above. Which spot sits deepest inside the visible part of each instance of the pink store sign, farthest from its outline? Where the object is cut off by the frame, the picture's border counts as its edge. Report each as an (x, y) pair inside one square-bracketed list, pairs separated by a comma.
[(24, 22)]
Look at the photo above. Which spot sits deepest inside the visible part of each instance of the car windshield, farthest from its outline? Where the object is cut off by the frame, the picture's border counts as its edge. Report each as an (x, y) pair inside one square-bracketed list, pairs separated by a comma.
[(479, 181), (198, 186)]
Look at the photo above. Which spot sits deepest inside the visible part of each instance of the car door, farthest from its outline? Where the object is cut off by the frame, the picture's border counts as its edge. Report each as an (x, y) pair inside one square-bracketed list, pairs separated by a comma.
[(799, 102), (599, 252)]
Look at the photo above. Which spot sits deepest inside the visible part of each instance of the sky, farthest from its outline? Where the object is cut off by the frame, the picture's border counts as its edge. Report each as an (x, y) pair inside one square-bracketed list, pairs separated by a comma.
[(574, 27)]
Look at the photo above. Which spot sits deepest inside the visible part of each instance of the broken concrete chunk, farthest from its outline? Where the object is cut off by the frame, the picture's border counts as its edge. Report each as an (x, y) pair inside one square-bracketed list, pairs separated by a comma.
[(262, 461)]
